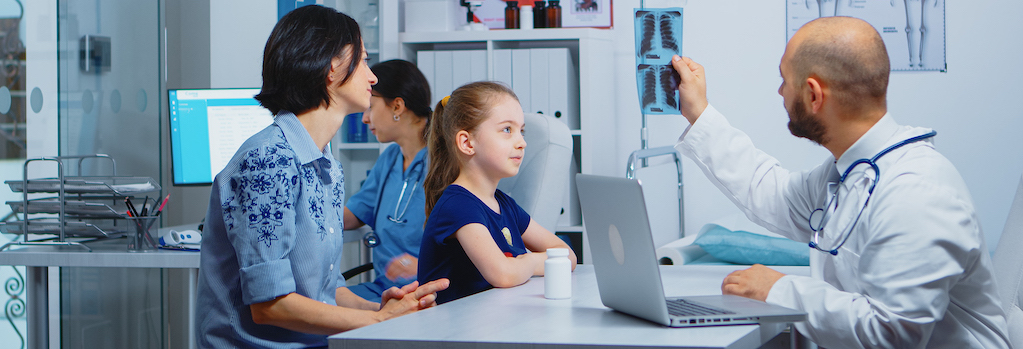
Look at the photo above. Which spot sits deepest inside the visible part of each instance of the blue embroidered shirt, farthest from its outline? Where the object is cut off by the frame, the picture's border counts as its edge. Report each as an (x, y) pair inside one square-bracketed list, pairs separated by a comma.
[(441, 256), (273, 227)]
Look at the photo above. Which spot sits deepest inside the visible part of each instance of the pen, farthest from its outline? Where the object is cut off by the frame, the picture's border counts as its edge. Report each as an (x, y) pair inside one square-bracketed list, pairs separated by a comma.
[(162, 204), (145, 209), (127, 201)]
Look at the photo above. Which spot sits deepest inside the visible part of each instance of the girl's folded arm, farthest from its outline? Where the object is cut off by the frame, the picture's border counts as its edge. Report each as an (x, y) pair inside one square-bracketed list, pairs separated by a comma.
[(539, 239), (498, 269)]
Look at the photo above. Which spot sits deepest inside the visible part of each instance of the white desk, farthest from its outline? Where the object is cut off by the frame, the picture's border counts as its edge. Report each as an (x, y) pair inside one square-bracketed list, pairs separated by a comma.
[(105, 254), (43, 322), (521, 316)]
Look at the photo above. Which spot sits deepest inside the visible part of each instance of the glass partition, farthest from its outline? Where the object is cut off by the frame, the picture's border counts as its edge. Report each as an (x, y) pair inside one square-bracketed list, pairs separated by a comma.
[(13, 110), (109, 92)]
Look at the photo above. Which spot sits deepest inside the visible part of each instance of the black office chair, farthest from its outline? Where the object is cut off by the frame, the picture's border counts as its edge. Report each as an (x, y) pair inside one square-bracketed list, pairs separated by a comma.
[(357, 270), (370, 240)]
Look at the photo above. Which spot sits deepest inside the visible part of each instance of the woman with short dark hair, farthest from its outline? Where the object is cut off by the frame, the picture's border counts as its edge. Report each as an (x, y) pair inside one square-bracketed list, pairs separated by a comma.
[(270, 267)]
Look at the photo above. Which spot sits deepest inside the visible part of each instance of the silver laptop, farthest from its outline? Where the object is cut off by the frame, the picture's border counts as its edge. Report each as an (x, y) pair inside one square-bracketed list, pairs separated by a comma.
[(625, 262)]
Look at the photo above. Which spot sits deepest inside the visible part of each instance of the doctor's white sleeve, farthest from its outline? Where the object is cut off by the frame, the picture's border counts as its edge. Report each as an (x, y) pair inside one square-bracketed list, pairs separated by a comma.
[(768, 194)]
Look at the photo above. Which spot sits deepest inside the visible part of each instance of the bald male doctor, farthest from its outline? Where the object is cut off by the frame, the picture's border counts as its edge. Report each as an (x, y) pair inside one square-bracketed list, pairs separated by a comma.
[(898, 257)]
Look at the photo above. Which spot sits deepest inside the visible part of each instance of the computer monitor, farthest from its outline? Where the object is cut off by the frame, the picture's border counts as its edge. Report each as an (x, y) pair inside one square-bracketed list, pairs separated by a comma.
[(207, 126)]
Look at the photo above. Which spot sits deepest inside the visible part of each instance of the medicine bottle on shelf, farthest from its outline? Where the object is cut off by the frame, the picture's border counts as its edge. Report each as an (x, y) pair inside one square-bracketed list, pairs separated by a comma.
[(554, 14), (511, 15), (540, 14), (526, 15)]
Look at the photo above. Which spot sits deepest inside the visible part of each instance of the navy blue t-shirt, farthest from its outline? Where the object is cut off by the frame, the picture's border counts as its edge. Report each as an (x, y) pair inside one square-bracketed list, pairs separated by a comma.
[(441, 256)]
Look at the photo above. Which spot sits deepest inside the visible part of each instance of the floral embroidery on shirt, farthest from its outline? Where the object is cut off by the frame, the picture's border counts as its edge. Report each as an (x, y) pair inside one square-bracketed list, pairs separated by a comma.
[(316, 212), (263, 189), (228, 211), (338, 195), (316, 202)]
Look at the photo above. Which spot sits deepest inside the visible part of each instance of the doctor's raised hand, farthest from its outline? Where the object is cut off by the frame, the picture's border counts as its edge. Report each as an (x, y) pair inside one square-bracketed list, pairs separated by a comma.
[(692, 88)]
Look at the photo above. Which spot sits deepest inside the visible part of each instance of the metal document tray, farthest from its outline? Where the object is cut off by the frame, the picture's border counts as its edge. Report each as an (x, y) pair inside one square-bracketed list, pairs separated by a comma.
[(52, 226), (122, 186), (115, 209)]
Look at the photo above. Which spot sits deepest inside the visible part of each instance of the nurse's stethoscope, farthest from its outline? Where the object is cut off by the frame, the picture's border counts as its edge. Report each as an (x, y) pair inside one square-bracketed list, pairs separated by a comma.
[(819, 217), (370, 238), (398, 217)]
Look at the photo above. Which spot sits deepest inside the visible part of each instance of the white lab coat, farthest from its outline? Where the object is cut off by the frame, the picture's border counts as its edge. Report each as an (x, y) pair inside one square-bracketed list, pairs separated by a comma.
[(914, 272)]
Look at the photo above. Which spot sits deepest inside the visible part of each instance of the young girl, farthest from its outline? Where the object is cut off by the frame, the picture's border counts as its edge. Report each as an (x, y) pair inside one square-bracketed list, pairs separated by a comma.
[(475, 235)]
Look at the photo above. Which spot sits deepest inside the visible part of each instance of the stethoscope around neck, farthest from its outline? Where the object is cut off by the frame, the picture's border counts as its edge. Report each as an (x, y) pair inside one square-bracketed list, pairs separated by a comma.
[(823, 213), (399, 217), (370, 238)]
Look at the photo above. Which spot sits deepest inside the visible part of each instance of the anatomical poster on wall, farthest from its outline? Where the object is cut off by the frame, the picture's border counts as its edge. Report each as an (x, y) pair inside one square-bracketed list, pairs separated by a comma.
[(913, 30), (658, 38)]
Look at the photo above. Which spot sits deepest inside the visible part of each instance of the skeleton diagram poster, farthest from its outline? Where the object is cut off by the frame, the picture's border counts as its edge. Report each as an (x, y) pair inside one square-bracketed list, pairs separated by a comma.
[(913, 30), (658, 38)]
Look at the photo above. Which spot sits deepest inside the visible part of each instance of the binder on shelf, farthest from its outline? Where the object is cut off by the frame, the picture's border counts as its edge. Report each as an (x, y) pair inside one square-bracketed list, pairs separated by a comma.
[(564, 87), (521, 77), (461, 69), (503, 66), (478, 60), (443, 74), (424, 61), (539, 97)]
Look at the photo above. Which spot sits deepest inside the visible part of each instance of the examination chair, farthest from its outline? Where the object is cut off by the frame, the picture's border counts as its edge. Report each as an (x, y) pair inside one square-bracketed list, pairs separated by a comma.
[(1008, 264), (543, 179)]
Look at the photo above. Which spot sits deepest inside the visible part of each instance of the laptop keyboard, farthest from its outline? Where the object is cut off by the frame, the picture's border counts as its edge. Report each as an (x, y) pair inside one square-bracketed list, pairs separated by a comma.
[(681, 307)]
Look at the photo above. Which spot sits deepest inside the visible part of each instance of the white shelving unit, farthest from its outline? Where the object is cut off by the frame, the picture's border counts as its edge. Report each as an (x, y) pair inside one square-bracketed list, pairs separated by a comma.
[(590, 50)]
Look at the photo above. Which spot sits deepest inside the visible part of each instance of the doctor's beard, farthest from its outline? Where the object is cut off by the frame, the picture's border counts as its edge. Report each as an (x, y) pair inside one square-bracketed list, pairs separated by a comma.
[(804, 125)]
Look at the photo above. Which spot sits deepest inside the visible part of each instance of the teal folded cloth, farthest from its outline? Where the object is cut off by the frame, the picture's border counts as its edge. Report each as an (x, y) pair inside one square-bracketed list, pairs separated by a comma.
[(741, 247)]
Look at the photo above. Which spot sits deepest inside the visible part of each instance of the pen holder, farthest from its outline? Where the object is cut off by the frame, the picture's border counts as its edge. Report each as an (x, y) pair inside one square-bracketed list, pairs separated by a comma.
[(139, 237)]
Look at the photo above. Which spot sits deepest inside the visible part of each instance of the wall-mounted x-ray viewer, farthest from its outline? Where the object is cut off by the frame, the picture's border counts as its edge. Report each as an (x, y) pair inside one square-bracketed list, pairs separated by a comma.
[(94, 54)]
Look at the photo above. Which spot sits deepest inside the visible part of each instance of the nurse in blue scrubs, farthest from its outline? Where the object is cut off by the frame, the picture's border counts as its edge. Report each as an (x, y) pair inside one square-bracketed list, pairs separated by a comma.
[(391, 201)]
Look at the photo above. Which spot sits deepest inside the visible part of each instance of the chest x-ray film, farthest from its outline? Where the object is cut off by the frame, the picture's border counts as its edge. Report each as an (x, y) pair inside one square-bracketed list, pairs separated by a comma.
[(658, 38)]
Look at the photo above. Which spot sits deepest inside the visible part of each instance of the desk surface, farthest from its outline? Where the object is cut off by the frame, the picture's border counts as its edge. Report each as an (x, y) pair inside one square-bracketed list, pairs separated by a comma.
[(111, 253), (522, 316)]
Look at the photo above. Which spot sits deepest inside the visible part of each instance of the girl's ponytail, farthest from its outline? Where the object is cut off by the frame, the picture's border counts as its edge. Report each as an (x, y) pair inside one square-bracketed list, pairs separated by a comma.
[(444, 166)]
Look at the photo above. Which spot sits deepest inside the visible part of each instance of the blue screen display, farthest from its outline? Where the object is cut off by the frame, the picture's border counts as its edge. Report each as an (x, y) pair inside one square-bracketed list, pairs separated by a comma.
[(207, 126)]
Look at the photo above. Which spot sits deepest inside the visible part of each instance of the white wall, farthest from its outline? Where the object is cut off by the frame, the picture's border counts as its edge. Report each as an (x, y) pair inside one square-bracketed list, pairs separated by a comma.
[(975, 106), (238, 33)]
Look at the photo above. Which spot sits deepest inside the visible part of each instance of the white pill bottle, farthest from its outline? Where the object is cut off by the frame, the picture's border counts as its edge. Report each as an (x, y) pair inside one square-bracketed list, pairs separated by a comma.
[(557, 274)]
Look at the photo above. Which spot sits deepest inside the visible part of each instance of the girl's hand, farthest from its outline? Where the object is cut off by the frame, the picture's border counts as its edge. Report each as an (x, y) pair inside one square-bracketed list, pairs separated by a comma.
[(402, 267)]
